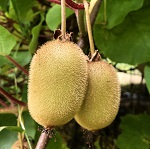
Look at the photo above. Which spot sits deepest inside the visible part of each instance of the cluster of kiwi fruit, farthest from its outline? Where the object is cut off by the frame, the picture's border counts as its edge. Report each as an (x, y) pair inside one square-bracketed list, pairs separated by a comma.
[(64, 85)]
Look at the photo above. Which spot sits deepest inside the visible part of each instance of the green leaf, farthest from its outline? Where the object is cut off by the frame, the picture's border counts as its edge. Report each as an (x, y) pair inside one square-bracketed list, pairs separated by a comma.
[(97, 145), (135, 132), (7, 137), (147, 76), (56, 142), (53, 17), (117, 10), (23, 9), (7, 41), (127, 42), (22, 57), (30, 125), (12, 128), (3, 61), (35, 33), (22, 12), (4, 4)]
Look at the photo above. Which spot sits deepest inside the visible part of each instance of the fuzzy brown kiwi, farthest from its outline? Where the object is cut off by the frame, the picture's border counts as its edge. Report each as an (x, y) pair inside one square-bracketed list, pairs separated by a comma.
[(102, 99), (57, 83)]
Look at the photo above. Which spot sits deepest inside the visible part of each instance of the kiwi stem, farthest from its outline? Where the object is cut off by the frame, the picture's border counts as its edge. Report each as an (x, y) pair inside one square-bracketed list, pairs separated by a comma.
[(89, 29), (63, 18), (43, 140), (82, 42)]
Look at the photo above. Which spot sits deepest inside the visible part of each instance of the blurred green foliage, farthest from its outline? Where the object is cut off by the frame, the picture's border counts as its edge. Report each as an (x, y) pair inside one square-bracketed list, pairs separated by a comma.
[(121, 33)]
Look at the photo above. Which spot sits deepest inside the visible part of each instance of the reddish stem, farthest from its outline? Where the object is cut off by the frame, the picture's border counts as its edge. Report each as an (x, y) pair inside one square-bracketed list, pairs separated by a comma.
[(59, 2), (14, 100), (75, 5), (16, 64), (3, 103), (69, 3)]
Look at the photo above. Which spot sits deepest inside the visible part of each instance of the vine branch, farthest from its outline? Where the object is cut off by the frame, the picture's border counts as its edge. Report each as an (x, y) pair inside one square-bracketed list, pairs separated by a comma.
[(70, 4), (75, 5), (11, 98), (17, 65), (89, 28)]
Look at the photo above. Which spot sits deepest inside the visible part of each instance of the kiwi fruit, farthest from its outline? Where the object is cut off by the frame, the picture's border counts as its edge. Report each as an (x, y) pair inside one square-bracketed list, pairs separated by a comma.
[(17, 145), (102, 99), (57, 83)]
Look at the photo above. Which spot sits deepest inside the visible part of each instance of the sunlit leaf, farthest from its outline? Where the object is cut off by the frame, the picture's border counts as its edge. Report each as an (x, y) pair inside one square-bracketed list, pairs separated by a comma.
[(117, 10), (7, 41), (53, 17), (12, 128)]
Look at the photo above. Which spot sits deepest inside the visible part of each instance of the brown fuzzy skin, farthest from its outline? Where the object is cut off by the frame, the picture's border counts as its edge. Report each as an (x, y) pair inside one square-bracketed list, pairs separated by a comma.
[(102, 100), (57, 83)]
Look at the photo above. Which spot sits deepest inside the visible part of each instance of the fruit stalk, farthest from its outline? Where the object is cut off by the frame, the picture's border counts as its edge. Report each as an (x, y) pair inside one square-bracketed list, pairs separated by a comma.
[(63, 19), (43, 140), (89, 29)]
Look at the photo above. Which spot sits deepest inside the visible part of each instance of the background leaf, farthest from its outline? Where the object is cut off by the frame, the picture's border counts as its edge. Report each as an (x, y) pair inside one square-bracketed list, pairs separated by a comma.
[(147, 76), (57, 142), (7, 138), (5, 38), (22, 57), (30, 125), (54, 13), (135, 133), (35, 34), (127, 42), (23, 9), (4, 4), (117, 10)]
